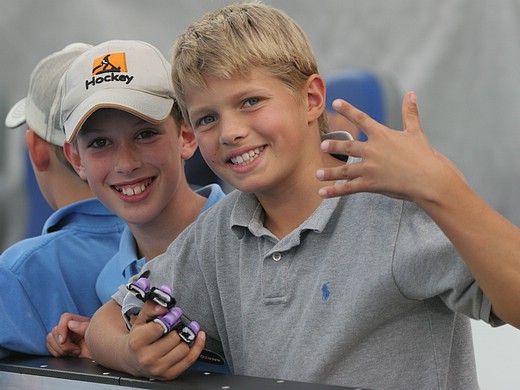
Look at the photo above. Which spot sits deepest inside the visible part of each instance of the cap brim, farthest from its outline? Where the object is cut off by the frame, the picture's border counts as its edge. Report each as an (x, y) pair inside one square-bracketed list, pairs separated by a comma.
[(151, 108), (16, 116)]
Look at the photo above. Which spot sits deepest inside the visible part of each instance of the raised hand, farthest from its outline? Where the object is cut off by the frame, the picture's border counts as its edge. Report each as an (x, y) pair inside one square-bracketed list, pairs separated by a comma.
[(400, 164)]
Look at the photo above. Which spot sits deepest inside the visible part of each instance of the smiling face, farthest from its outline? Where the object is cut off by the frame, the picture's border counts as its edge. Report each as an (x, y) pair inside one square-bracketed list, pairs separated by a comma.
[(253, 131), (132, 166)]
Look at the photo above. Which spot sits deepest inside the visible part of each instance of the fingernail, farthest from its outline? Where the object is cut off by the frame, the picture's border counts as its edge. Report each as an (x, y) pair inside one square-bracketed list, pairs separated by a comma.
[(322, 192), (325, 146), (336, 103), (413, 98), (60, 339), (73, 324), (320, 174)]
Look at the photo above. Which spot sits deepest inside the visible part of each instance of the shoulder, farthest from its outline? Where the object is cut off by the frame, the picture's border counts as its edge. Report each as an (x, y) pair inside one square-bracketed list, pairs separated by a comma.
[(211, 226), (34, 249), (365, 207), (89, 216), (220, 210)]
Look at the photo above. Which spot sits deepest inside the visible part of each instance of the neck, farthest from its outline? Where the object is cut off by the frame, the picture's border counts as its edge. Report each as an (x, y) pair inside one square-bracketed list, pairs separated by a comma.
[(154, 237), (68, 190), (292, 203)]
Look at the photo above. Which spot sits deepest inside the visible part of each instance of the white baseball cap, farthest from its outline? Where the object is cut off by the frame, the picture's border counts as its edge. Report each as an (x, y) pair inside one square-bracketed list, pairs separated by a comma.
[(38, 111), (128, 75)]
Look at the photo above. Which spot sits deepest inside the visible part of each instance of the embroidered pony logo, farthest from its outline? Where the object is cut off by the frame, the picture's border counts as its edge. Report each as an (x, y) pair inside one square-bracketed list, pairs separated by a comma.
[(325, 292)]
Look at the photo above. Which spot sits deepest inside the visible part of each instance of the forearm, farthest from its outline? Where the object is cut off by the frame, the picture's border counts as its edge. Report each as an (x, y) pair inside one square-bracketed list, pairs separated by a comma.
[(488, 243), (107, 338)]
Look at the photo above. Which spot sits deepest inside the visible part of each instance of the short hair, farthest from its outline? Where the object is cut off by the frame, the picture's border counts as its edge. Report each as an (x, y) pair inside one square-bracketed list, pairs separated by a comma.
[(176, 114), (60, 155), (229, 41)]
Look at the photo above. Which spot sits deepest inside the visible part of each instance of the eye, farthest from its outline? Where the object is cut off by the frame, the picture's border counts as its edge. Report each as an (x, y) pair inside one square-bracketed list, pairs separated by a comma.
[(207, 120), (98, 143), (145, 134), (251, 101)]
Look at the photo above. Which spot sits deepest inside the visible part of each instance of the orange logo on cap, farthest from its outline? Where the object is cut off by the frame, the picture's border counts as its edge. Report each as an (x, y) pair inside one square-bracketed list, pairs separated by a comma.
[(112, 62)]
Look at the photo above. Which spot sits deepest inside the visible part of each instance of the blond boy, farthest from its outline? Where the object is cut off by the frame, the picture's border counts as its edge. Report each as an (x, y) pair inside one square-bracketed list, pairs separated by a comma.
[(361, 290)]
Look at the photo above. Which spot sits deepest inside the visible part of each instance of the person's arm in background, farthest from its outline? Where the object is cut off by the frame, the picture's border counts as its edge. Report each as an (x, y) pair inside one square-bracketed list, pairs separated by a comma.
[(403, 164), (142, 351)]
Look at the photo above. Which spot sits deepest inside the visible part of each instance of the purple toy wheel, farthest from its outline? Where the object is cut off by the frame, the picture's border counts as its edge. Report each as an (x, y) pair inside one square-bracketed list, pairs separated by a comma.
[(188, 333), (162, 296), (194, 326), (166, 289), (139, 288), (170, 320)]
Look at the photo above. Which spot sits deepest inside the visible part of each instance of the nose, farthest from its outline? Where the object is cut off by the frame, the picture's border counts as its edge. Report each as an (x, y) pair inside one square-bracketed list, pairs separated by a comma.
[(126, 159), (232, 130)]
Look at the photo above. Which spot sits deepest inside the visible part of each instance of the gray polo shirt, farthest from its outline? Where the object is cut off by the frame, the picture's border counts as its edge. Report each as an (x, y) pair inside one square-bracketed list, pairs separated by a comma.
[(364, 293)]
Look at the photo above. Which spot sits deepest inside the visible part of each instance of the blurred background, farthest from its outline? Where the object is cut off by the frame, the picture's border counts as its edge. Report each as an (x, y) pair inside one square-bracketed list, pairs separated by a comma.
[(460, 56)]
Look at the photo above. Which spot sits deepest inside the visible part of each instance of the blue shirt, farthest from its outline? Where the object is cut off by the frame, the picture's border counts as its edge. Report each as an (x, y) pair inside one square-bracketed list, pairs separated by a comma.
[(44, 276), (127, 263)]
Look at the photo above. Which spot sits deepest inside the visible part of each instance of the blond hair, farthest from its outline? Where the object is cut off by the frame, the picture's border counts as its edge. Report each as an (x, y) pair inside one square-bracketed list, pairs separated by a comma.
[(230, 41)]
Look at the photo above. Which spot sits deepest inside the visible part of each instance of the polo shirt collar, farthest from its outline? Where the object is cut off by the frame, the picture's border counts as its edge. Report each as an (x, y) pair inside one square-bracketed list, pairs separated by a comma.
[(248, 214)]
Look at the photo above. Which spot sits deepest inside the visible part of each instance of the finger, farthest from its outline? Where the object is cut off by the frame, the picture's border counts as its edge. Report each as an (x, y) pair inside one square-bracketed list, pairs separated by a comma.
[(144, 330), (53, 350), (196, 349), (169, 357), (79, 328), (344, 147), (410, 112), (61, 329), (343, 188), (149, 311), (342, 172), (52, 345), (189, 358), (58, 349), (362, 120)]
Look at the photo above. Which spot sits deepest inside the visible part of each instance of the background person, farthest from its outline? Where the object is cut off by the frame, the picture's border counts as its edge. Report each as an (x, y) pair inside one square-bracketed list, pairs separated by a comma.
[(43, 276)]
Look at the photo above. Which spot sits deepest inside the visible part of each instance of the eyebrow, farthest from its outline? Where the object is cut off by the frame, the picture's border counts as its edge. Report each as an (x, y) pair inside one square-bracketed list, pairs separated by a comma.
[(239, 95)]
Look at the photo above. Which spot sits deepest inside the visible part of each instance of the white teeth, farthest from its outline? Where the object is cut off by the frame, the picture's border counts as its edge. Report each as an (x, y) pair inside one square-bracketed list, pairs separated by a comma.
[(129, 191), (247, 157)]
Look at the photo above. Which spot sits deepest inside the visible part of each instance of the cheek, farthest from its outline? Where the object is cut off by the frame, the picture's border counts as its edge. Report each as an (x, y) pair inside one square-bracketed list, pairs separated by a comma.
[(94, 170), (208, 146)]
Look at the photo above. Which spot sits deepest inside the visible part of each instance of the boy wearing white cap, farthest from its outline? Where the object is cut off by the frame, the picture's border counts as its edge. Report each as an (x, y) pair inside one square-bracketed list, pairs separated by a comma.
[(126, 137), (43, 276)]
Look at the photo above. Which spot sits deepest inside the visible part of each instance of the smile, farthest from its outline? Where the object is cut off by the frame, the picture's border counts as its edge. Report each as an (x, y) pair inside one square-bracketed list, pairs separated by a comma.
[(131, 190), (247, 157)]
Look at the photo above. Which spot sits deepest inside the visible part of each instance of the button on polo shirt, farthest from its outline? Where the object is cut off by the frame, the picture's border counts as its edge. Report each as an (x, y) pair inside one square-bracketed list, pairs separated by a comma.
[(275, 266)]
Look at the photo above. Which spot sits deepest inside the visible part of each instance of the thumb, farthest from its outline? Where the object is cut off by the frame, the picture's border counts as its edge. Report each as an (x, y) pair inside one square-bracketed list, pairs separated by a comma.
[(411, 121), (78, 327), (149, 311)]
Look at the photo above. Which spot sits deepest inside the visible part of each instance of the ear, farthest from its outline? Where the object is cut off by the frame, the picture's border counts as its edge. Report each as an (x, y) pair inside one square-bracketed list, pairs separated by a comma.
[(188, 143), (72, 154), (315, 88), (39, 150)]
